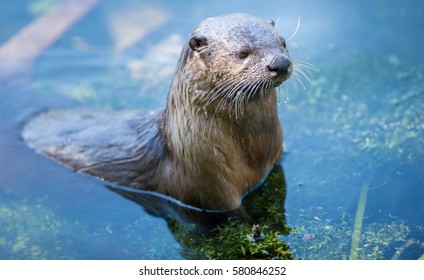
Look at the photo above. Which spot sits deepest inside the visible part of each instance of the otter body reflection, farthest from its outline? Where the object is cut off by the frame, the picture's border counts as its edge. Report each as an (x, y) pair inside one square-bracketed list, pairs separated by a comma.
[(218, 136)]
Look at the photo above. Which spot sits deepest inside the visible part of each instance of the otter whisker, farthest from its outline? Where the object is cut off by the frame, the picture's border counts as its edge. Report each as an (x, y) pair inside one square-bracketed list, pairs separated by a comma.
[(238, 101), (250, 92), (257, 88), (295, 31), (246, 95), (301, 74), (229, 95), (267, 85), (303, 70), (224, 82), (241, 98), (308, 64), (276, 26), (299, 81), (219, 90), (220, 86), (235, 93), (307, 67)]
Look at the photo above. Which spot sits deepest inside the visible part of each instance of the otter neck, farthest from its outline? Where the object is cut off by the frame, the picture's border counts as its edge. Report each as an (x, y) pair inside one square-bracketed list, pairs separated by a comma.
[(251, 140), (222, 155)]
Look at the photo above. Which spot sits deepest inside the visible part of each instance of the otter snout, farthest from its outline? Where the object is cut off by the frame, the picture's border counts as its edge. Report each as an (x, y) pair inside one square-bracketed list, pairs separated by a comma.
[(280, 65)]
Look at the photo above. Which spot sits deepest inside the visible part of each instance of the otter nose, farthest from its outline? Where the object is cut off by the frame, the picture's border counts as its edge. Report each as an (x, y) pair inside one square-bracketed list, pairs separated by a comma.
[(280, 65)]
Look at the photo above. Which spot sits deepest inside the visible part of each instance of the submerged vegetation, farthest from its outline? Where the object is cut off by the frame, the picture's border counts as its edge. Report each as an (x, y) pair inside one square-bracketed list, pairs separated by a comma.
[(258, 237), (355, 138), (29, 231), (367, 130), (33, 231), (324, 238), (359, 125), (234, 240)]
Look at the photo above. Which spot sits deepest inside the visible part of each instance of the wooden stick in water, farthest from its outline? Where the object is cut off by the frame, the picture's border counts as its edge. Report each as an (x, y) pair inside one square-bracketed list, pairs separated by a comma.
[(19, 53)]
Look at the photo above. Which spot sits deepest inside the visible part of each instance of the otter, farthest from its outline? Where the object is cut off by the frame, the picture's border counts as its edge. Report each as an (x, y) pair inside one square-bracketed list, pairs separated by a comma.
[(217, 137)]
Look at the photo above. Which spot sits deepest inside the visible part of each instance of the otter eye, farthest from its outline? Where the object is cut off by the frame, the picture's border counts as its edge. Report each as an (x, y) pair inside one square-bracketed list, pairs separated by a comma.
[(243, 54), (283, 42)]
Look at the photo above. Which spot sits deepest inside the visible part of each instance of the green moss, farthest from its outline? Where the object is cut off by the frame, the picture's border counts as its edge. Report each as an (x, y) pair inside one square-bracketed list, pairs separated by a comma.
[(265, 205), (323, 238), (238, 238), (234, 240)]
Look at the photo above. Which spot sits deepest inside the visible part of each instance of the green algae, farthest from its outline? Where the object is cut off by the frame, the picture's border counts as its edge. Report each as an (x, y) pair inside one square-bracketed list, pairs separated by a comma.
[(354, 132), (31, 232), (234, 241), (363, 125), (324, 238), (364, 109), (378, 128), (259, 235)]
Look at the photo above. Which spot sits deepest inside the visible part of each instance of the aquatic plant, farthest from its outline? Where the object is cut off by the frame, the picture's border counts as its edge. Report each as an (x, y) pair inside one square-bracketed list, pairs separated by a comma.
[(238, 238), (30, 231), (234, 240)]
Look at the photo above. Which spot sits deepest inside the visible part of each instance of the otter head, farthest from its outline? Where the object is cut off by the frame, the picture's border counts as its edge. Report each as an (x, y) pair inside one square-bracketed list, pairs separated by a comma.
[(240, 56)]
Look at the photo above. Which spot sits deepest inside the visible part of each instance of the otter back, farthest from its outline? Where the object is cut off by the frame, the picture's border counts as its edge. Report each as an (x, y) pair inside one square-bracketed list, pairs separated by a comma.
[(217, 137)]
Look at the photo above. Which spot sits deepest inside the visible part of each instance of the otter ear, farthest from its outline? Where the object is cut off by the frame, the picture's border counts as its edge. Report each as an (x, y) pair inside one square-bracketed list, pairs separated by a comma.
[(272, 22), (197, 42)]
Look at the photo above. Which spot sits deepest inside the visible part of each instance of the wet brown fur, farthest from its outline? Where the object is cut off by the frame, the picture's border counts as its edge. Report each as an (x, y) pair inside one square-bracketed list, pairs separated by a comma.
[(217, 137)]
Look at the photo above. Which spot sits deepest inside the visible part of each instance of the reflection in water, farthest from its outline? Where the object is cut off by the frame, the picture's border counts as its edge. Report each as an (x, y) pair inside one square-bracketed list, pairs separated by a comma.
[(254, 229)]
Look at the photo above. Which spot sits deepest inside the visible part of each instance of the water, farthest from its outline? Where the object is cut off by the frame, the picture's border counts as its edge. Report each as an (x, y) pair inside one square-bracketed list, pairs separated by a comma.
[(358, 124)]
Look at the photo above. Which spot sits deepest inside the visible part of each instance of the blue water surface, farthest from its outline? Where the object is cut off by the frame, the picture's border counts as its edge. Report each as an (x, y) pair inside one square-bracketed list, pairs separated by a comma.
[(357, 123)]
